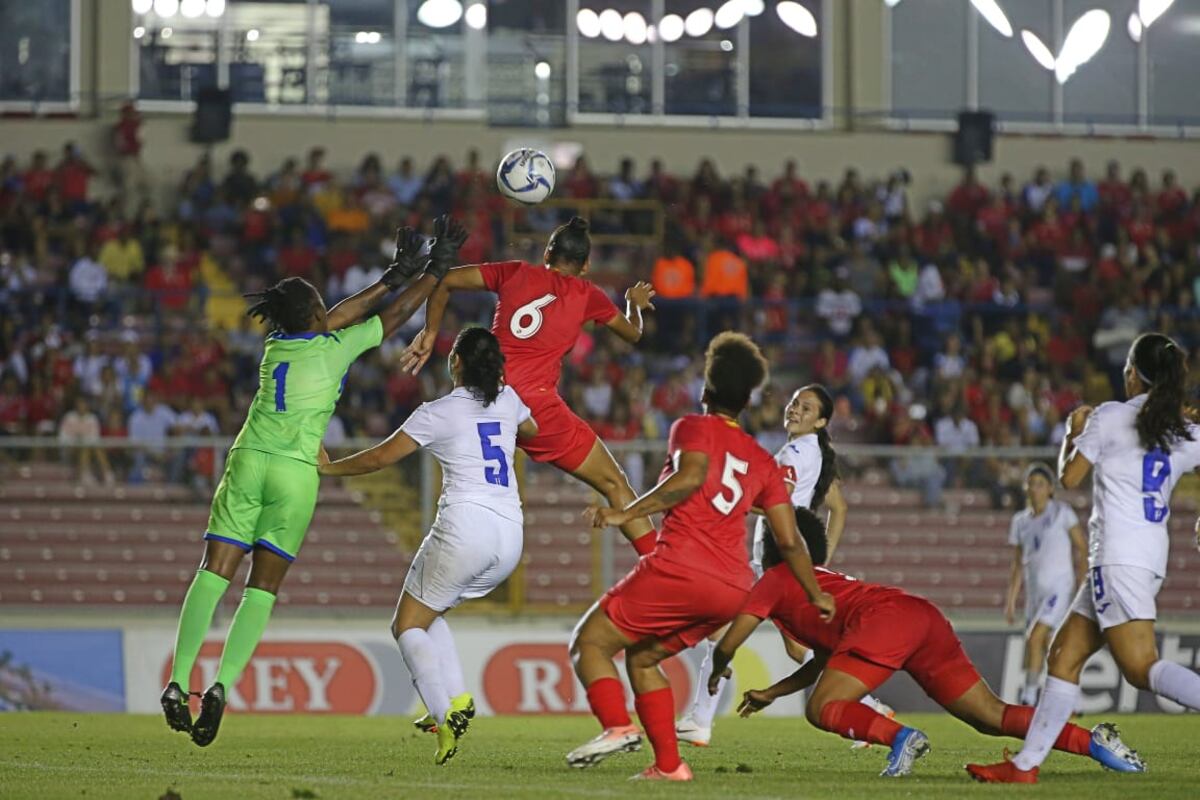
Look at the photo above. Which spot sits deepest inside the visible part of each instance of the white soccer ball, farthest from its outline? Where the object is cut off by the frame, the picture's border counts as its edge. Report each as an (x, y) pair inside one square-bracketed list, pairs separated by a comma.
[(526, 175)]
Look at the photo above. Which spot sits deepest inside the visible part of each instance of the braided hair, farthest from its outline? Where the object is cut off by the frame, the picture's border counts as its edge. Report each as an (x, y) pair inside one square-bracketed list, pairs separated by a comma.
[(482, 363), (1162, 367), (829, 467), (570, 244), (289, 306)]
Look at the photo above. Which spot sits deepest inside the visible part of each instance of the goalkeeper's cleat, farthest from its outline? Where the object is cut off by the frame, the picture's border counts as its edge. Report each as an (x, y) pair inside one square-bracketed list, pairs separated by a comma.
[(464, 704), (688, 731), (1004, 772), (909, 745), (608, 742), (426, 724), (453, 729), (175, 708), (212, 708), (1112, 753), (652, 773)]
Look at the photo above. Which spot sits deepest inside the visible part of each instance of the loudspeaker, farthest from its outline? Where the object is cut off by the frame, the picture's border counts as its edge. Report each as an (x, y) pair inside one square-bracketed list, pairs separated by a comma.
[(213, 115), (973, 139)]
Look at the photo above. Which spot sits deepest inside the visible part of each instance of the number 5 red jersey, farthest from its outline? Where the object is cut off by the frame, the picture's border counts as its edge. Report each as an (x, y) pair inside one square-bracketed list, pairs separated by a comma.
[(707, 532), (539, 315)]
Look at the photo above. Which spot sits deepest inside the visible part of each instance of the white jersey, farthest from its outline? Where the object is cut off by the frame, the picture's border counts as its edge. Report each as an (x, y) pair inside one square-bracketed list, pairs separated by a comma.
[(475, 446), (801, 461), (1045, 542), (1131, 488)]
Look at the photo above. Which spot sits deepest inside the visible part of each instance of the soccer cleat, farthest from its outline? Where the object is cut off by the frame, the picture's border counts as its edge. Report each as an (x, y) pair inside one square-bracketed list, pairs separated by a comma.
[(1004, 772), (909, 745), (175, 708), (688, 731), (1112, 753), (426, 724), (608, 742), (212, 708), (458, 720), (882, 708), (652, 773)]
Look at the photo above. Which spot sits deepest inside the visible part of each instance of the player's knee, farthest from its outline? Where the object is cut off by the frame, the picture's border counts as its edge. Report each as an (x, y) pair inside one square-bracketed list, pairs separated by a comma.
[(812, 710), (1065, 661), (1137, 672)]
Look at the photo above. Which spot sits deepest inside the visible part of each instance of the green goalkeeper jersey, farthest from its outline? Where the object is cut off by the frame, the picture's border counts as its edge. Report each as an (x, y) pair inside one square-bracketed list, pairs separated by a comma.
[(301, 378)]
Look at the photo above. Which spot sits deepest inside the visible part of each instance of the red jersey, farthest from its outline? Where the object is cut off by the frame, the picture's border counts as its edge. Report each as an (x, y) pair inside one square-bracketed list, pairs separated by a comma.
[(779, 597), (539, 315), (707, 532)]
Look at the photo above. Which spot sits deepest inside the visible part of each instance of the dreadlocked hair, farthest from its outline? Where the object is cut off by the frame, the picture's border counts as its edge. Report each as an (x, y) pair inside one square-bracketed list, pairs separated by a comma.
[(482, 363), (1162, 367), (289, 306), (829, 465)]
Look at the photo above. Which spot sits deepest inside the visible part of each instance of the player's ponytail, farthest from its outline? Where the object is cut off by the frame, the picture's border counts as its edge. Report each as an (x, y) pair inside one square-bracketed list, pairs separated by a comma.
[(811, 530), (570, 244), (289, 306), (829, 465), (482, 363), (1161, 366)]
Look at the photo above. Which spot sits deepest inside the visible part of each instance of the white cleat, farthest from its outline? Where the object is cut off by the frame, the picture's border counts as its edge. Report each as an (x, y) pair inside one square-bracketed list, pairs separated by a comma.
[(688, 731), (609, 742), (1112, 753)]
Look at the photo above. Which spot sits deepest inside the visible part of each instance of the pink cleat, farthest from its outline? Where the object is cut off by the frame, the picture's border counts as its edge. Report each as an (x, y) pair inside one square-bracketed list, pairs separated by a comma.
[(607, 743), (652, 773)]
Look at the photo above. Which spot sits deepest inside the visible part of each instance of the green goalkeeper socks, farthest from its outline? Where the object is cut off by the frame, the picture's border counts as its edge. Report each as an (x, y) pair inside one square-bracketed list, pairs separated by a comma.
[(246, 629), (194, 618)]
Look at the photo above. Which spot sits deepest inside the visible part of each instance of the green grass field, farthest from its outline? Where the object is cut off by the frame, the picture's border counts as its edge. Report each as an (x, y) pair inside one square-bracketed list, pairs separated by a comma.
[(44, 755)]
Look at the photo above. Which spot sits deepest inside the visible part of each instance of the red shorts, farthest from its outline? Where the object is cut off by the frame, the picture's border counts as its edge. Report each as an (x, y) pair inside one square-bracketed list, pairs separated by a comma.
[(911, 634), (678, 610), (563, 439)]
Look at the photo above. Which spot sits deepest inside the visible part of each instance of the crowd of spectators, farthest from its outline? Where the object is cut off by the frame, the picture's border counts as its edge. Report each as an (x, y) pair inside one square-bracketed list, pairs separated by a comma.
[(978, 318)]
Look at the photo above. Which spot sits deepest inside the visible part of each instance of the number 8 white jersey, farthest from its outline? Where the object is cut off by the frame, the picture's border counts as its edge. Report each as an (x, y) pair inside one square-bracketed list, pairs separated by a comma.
[(475, 446), (1131, 487)]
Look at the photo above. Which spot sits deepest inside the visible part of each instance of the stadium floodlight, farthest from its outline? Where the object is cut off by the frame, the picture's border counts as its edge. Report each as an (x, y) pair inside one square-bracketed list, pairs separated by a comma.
[(612, 25), (166, 8), (891, 3), (670, 28), (1084, 40), (139, 32), (142, 6), (753, 7), (1037, 48), (729, 14), (1150, 10), (439, 13), (797, 17), (214, 8), (991, 11), (476, 16), (1135, 27), (699, 22), (252, 35), (635, 28), (588, 22), (191, 8), (542, 70)]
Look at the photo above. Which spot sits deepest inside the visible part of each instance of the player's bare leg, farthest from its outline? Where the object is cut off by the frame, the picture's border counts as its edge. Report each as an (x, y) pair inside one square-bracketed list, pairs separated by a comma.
[(835, 705), (1035, 660), (655, 706), (594, 643), (1134, 649), (601, 472)]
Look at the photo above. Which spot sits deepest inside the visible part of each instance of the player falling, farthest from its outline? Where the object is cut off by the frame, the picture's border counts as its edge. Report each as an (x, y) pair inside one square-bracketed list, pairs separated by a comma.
[(540, 312), (268, 492), (475, 542), (1050, 553), (878, 631), (1139, 450), (697, 577)]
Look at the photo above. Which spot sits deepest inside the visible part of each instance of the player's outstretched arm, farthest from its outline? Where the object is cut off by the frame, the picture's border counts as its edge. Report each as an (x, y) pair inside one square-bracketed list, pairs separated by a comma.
[(392, 449), (681, 484), (836, 502), (782, 519), (355, 308), (638, 298), (1072, 466), (406, 262), (459, 279), (735, 636), (758, 699)]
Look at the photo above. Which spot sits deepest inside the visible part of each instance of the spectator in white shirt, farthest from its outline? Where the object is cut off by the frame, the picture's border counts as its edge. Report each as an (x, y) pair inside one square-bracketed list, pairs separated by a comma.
[(1038, 191), (89, 365), (195, 420), (866, 356), (839, 306), (149, 425), (950, 364), (957, 432), (88, 280), (81, 426), (930, 287)]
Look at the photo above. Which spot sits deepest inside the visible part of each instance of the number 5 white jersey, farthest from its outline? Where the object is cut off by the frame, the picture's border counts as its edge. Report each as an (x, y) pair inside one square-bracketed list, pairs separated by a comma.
[(475, 446), (1131, 487)]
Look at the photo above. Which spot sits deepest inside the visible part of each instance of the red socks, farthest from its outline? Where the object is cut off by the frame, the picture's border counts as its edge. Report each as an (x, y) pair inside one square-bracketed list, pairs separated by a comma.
[(646, 543), (606, 696), (857, 722), (656, 710), (1073, 738)]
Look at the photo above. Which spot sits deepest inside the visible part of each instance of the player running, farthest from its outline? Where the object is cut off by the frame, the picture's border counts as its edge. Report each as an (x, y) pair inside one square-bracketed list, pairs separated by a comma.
[(1049, 549), (475, 542), (268, 492), (697, 577), (1140, 449), (539, 314), (878, 631)]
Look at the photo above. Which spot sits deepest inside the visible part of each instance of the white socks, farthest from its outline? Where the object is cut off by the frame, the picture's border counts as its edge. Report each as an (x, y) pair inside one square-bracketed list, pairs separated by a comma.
[(704, 707), (1059, 699), (1176, 682), (421, 657), (452, 674)]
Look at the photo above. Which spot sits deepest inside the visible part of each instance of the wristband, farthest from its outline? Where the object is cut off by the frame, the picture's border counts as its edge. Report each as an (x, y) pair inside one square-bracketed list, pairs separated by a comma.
[(646, 543)]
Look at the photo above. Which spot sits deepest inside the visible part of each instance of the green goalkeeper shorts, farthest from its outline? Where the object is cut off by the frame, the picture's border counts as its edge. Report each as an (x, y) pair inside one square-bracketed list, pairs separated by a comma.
[(264, 500)]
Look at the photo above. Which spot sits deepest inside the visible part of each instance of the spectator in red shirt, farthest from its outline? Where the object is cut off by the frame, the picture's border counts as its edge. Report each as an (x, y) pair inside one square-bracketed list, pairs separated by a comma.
[(127, 145), (1141, 227), (1115, 196), (968, 198), (315, 175), (671, 397), (297, 258), (170, 285), (1066, 346), (659, 185), (934, 235), (581, 184), (72, 176), (830, 367), (757, 246), (38, 179), (14, 407), (1171, 198)]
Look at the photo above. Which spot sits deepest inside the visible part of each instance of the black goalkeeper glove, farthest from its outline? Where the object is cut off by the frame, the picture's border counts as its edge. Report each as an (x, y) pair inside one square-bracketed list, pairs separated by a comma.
[(407, 261), (449, 236)]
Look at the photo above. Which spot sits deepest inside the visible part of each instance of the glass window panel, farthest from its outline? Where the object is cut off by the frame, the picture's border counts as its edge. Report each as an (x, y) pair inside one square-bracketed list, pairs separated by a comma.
[(785, 67), (35, 50), (929, 58), (701, 72), (615, 77), (357, 65), (1011, 84), (435, 63), (521, 35), (176, 55), (1104, 90), (268, 50), (1173, 50)]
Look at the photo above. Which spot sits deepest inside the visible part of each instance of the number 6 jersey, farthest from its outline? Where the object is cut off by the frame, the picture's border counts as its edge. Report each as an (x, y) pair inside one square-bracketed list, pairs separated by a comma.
[(707, 532), (1131, 487), (474, 444)]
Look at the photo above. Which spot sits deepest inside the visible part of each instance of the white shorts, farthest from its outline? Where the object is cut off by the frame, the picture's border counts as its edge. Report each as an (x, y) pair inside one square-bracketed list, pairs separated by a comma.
[(469, 551), (1117, 594), (1047, 605)]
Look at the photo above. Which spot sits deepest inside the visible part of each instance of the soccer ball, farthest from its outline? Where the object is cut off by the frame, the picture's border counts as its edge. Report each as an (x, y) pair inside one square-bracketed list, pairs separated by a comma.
[(526, 175)]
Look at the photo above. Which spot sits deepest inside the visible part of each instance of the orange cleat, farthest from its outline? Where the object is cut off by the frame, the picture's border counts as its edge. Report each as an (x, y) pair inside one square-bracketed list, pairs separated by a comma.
[(652, 773), (1004, 772)]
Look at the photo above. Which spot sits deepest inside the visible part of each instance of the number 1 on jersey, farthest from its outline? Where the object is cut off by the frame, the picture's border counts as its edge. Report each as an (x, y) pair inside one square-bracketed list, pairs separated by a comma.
[(497, 475), (734, 467), (280, 376)]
